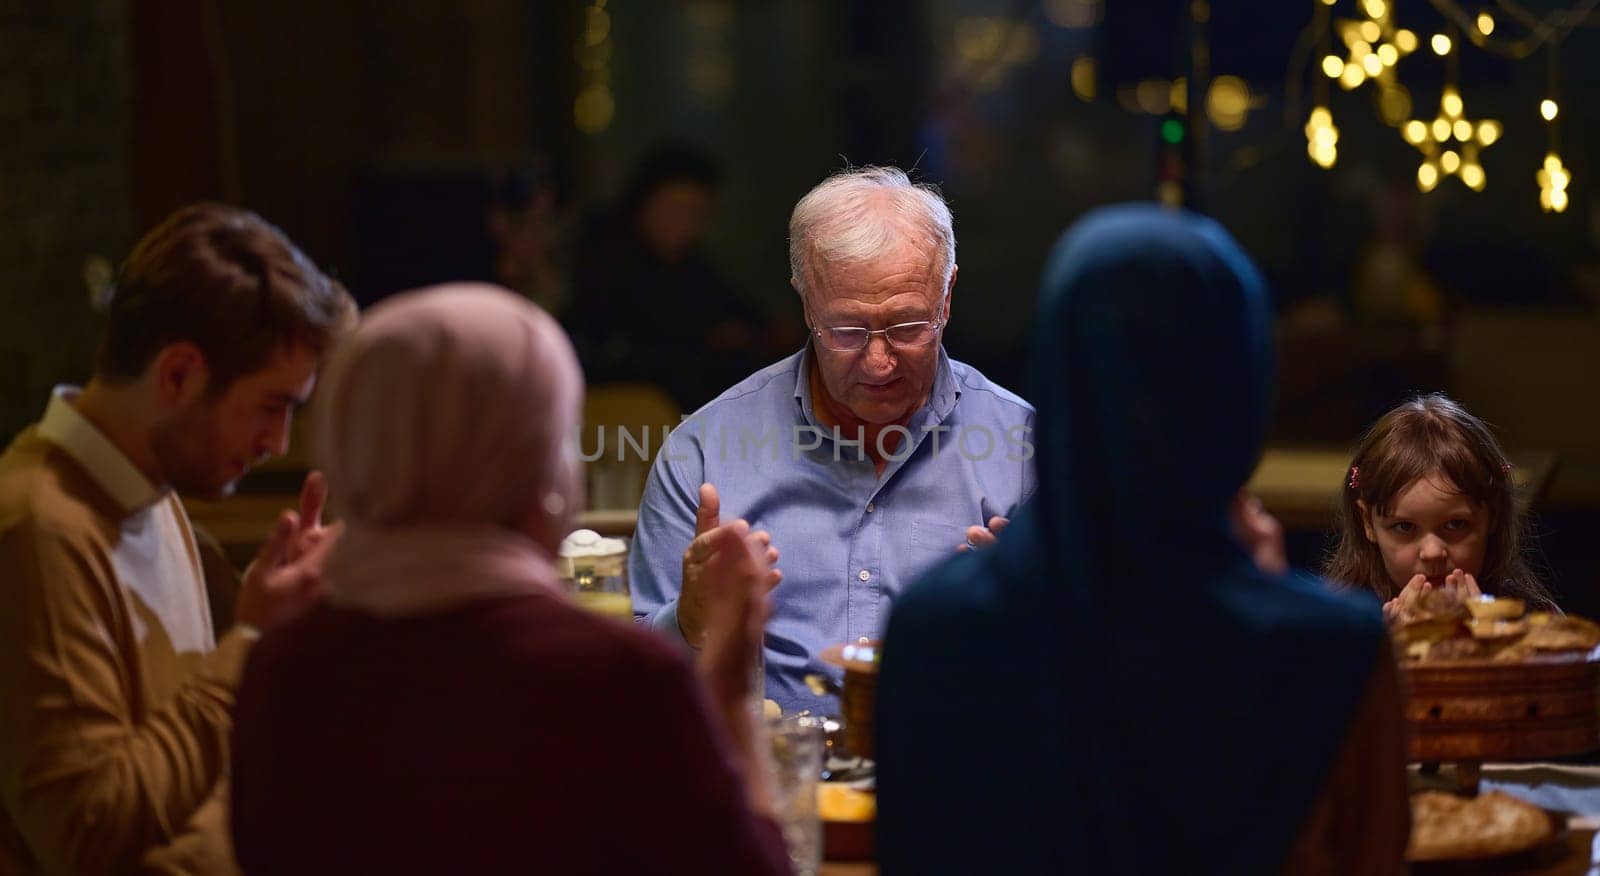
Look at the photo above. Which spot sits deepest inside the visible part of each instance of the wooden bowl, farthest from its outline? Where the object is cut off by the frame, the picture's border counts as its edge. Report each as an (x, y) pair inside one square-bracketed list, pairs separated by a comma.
[(1474, 710), (859, 696)]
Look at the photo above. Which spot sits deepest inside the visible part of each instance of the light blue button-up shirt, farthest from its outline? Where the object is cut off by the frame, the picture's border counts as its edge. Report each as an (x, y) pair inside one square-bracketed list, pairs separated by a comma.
[(851, 541)]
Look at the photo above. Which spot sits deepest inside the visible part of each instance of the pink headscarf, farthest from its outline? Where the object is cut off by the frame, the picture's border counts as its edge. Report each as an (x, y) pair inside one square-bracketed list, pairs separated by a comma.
[(444, 425)]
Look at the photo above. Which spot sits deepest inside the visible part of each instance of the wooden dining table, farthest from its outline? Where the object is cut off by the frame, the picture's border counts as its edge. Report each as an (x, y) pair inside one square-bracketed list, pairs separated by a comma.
[(1572, 789), (1301, 486)]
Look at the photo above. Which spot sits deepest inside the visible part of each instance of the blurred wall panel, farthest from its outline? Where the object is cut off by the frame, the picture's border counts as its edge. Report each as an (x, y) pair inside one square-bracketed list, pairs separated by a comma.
[(179, 141), (64, 86)]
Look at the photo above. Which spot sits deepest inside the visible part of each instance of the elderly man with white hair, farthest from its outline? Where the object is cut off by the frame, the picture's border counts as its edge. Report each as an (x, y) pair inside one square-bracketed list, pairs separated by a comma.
[(867, 457)]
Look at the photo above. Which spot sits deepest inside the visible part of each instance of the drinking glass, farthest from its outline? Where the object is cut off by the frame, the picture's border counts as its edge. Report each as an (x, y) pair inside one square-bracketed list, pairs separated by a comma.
[(599, 584), (797, 748)]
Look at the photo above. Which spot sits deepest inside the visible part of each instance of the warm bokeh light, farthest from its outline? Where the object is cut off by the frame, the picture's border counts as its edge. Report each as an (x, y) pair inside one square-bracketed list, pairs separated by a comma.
[(1553, 179), (1548, 109), (1332, 65), (1441, 44), (593, 109), (597, 25), (1485, 23), (1394, 104), (1072, 13), (594, 106), (1083, 78), (1432, 138), (1154, 96), (1427, 177), (1228, 102), (1322, 138), (1406, 41), (1451, 103), (979, 38)]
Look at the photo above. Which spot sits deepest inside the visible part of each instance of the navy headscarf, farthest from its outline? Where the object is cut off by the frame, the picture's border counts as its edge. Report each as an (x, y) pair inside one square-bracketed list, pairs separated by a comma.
[(1115, 687)]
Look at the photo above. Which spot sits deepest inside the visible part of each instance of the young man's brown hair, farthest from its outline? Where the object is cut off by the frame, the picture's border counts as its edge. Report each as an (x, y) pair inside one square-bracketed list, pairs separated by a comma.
[(227, 281)]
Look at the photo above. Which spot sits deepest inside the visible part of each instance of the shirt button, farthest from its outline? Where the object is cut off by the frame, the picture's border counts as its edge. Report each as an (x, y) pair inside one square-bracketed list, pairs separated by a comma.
[(865, 575), (869, 507)]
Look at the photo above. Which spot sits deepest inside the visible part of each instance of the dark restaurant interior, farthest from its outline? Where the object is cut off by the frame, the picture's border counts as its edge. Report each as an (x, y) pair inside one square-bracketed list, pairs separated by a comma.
[(381, 136), (1414, 179)]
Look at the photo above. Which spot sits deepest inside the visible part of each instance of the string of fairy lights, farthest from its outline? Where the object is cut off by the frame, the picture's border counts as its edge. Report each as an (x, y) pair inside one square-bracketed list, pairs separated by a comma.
[(1450, 143)]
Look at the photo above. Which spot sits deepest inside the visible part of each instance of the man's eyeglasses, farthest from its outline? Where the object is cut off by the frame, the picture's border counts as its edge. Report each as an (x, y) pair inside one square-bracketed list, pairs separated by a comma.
[(853, 339)]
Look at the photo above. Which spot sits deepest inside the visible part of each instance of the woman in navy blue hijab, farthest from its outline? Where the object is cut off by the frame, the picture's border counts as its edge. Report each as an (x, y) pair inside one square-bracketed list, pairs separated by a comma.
[(1116, 687)]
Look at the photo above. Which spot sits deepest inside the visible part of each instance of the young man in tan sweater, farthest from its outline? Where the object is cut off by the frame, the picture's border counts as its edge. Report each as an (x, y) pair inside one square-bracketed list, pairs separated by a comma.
[(116, 695)]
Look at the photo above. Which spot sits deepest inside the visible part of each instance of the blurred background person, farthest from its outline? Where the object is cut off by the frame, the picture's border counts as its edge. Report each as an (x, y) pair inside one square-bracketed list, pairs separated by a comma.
[(523, 222), (491, 221), (644, 290)]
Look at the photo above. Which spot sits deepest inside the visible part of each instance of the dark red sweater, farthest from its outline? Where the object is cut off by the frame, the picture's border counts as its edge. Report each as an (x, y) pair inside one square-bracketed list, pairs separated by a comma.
[(518, 734)]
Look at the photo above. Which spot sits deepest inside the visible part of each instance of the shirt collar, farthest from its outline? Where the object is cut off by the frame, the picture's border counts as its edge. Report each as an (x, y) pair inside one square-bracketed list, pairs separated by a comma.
[(64, 427), (941, 399)]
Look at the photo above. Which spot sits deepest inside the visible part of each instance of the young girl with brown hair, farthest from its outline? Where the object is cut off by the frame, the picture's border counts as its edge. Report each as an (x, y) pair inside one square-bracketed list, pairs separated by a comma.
[(1429, 503)]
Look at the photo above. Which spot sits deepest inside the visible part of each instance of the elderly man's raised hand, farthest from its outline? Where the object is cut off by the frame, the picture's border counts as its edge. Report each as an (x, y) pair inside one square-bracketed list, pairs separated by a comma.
[(696, 600), (984, 536), (735, 575)]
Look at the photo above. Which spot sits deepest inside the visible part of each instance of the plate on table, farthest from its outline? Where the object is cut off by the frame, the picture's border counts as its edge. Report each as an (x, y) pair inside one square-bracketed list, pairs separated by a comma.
[(1486, 833)]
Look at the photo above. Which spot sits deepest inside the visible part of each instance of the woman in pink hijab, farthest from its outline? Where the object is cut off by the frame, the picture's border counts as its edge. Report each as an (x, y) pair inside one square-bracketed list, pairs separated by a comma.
[(447, 709)]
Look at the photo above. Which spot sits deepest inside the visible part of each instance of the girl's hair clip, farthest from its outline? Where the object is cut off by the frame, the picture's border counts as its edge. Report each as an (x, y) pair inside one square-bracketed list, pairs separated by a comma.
[(1505, 468), (1355, 477)]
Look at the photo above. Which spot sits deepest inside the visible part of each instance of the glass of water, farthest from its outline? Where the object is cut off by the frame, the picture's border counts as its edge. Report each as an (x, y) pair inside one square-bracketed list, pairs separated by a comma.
[(797, 752), (758, 683)]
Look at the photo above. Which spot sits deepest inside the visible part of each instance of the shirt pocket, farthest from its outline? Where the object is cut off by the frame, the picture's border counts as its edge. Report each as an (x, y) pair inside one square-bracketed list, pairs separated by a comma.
[(933, 542)]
